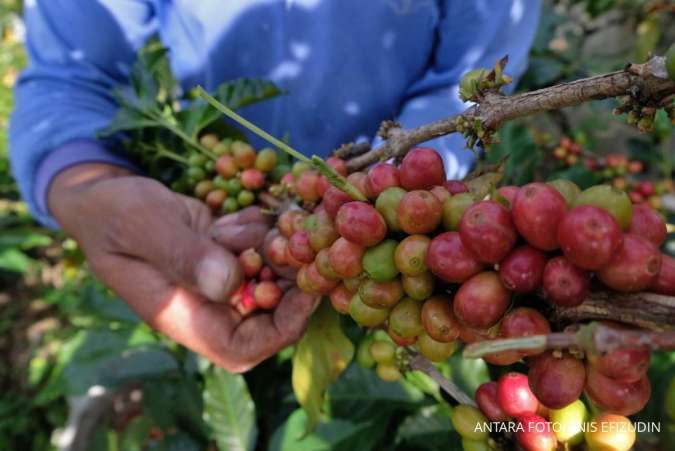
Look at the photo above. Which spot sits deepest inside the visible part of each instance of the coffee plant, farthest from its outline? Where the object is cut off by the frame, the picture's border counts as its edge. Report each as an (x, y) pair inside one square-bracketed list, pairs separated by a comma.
[(528, 306)]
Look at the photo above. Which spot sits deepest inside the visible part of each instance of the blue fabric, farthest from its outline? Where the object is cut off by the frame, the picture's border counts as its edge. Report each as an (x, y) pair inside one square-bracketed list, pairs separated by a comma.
[(347, 65)]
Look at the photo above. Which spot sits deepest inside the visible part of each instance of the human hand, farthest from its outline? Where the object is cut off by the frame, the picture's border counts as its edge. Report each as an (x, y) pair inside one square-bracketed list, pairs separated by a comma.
[(151, 246)]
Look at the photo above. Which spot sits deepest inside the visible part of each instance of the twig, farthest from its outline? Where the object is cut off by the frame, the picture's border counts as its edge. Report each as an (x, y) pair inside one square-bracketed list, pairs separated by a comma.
[(420, 363), (647, 82)]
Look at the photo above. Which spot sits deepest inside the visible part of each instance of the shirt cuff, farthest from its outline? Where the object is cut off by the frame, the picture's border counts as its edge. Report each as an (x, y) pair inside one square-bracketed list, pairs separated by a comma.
[(67, 155)]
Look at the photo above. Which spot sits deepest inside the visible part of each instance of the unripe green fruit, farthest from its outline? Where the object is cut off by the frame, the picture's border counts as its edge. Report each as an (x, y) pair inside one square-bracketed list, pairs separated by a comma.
[(453, 209), (266, 160), (569, 421), (230, 205), (279, 171), (365, 315), (475, 445), (433, 350), (383, 352), (670, 61), (223, 147), (195, 173), (418, 287), (405, 318), (299, 167), (363, 356), (470, 423), (567, 188), (196, 159), (388, 373), (245, 198), (387, 204), (219, 182), (613, 201), (233, 187), (378, 261)]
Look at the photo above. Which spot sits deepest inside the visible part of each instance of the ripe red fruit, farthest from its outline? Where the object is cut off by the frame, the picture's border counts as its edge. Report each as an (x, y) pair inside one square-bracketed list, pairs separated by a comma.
[(456, 187), (438, 320), (338, 164), (534, 433), (360, 181), (251, 262), (300, 248), (421, 168), (473, 334), (523, 269), (306, 186), (419, 212), (411, 254), (623, 398), (322, 185), (226, 166), (514, 395), (340, 297), (441, 193), (537, 210), (380, 177), (634, 267), (345, 258), (482, 300), (487, 230), (450, 260), (333, 199), (623, 364), (214, 199), (524, 322), (290, 221), (276, 251), (509, 193), (314, 282), (647, 223), (360, 223), (556, 382), (589, 237), (565, 284), (267, 294), (252, 179), (486, 398), (664, 283)]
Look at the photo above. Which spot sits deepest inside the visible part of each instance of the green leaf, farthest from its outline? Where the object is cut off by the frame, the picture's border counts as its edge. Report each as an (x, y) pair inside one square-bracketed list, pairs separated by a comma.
[(229, 410), (12, 259), (24, 238), (135, 434), (320, 357), (430, 429), (334, 435), (175, 401), (126, 120)]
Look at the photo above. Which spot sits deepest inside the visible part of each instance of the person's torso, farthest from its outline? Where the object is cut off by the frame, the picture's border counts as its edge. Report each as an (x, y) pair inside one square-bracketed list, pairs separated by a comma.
[(345, 64)]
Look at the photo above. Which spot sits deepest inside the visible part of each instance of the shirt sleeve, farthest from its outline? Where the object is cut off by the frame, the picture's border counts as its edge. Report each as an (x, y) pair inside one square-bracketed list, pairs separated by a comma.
[(78, 51), (471, 35)]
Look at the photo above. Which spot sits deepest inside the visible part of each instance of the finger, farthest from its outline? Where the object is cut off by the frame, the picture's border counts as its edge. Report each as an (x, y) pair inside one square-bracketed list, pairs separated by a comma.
[(245, 216), (200, 218), (260, 336), (239, 237)]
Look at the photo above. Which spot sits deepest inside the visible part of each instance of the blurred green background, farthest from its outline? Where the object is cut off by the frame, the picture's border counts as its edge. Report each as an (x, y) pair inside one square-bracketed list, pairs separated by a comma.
[(68, 347)]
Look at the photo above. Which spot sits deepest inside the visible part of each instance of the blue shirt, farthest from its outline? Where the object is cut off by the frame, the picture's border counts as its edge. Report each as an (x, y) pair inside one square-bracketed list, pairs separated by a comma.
[(346, 64)]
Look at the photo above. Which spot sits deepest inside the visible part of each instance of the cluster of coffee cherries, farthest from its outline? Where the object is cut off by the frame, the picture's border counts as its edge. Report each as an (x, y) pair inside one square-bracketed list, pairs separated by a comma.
[(234, 178), (511, 405), (260, 289)]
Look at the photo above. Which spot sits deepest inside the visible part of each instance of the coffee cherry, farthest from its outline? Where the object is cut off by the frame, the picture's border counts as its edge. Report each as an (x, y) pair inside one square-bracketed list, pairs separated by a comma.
[(522, 270), (333, 199), (233, 187), (664, 283), (345, 258), (387, 204), (244, 154), (454, 208), (450, 260), (323, 265), (365, 315), (514, 395), (589, 237), (252, 179), (486, 398), (251, 262), (419, 212), (352, 283), (360, 182), (438, 320), (556, 381), (456, 187), (306, 186), (565, 284), (623, 364), (610, 432), (209, 140), (535, 434), (291, 221), (299, 247), (436, 351), (469, 422), (421, 168), (266, 160), (405, 318), (310, 281), (482, 300), (378, 261), (399, 340), (276, 251), (338, 165), (418, 287), (381, 294), (203, 188), (321, 230), (537, 211), (524, 322), (230, 205), (569, 422), (623, 398), (509, 193), (360, 223), (475, 445), (487, 230), (441, 193), (363, 356), (634, 267), (383, 352), (613, 201), (340, 297), (267, 294), (299, 167), (473, 334), (567, 188), (214, 199), (388, 373), (382, 176), (648, 224), (410, 255)]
